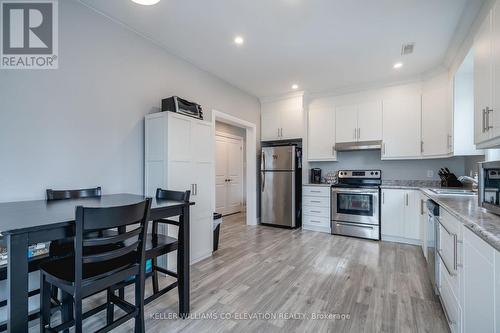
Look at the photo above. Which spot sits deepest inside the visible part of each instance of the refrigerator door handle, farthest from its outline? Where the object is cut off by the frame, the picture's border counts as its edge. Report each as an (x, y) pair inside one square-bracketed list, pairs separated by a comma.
[(263, 181), (263, 161)]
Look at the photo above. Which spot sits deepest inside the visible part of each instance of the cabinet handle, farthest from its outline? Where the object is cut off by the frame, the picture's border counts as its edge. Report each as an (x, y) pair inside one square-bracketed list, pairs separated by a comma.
[(421, 207), (383, 149), (359, 133), (488, 111), (383, 197), (484, 120), (333, 150), (355, 131), (278, 132), (315, 201), (421, 146), (406, 199)]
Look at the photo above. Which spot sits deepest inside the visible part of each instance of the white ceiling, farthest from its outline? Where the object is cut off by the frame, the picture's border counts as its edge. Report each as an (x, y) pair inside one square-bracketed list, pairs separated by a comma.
[(323, 45)]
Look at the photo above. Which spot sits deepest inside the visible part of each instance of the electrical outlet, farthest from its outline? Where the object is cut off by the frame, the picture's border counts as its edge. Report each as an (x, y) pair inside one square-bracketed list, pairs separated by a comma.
[(430, 173)]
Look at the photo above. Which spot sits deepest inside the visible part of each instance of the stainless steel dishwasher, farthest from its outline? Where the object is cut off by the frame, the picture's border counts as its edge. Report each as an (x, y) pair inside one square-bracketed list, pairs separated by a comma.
[(432, 243)]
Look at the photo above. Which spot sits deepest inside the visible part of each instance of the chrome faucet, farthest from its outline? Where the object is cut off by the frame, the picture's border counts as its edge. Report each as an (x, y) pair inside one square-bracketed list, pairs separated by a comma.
[(466, 179)]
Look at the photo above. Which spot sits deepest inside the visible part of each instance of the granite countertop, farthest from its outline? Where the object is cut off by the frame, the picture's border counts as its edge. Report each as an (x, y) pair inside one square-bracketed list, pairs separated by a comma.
[(465, 208)]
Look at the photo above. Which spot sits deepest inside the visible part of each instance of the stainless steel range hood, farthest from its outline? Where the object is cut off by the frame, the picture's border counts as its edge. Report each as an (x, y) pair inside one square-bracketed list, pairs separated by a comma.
[(358, 145)]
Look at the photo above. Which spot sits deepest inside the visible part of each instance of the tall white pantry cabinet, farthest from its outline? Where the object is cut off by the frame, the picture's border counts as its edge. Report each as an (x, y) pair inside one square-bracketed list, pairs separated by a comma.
[(179, 156)]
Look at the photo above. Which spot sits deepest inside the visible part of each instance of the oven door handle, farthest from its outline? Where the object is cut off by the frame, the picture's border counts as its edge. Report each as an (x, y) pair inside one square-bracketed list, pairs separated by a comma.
[(360, 191)]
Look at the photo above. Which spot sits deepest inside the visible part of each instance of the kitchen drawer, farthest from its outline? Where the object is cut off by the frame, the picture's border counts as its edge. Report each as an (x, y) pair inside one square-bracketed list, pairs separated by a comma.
[(316, 201), (451, 223), (317, 211), (448, 247), (316, 221), (450, 303), (316, 191)]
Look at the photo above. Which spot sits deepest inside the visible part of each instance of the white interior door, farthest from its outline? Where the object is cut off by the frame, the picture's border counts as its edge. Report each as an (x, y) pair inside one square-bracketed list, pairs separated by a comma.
[(229, 174), (220, 174)]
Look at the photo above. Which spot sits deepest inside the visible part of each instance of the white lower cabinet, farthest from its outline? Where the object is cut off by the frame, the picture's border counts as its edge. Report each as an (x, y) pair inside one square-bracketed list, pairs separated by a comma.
[(479, 285), (400, 218), (423, 223), (316, 208)]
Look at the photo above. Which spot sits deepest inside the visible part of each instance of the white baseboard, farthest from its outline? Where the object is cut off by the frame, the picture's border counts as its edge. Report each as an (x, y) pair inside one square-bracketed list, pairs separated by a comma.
[(201, 257), (402, 240)]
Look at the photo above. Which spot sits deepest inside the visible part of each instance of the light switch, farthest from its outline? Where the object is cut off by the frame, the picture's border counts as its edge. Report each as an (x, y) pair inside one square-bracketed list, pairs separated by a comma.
[(430, 173)]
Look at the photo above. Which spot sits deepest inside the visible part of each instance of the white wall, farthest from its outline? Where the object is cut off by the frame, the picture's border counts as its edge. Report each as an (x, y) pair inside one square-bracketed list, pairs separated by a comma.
[(82, 125)]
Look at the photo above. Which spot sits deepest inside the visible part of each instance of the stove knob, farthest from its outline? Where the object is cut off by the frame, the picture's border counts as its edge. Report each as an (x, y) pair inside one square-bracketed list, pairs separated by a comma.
[(371, 173)]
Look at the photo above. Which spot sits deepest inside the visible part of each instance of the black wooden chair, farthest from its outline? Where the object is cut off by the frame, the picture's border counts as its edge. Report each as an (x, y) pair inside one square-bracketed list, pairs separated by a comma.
[(162, 245), (64, 247), (99, 262), (56, 248), (158, 245)]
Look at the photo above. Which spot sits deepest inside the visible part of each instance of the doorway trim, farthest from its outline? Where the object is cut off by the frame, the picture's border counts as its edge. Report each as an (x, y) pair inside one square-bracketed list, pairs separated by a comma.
[(251, 160)]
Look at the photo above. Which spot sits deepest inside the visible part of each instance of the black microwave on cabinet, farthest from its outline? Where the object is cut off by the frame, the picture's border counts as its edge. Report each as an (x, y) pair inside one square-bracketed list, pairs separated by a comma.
[(182, 106)]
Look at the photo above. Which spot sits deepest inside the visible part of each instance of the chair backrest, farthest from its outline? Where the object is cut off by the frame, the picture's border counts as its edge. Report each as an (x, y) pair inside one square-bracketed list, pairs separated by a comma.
[(173, 195), (73, 194), (100, 247)]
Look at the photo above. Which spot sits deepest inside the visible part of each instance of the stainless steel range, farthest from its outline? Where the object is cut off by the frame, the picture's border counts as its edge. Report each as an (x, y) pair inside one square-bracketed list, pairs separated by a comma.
[(356, 204)]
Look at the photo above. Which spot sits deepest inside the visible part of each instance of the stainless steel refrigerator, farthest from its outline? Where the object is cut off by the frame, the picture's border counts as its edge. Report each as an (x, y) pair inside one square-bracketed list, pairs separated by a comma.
[(281, 186)]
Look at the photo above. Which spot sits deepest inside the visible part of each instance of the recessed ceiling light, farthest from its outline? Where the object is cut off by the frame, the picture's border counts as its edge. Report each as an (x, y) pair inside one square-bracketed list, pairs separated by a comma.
[(238, 40), (398, 65), (295, 86), (146, 2)]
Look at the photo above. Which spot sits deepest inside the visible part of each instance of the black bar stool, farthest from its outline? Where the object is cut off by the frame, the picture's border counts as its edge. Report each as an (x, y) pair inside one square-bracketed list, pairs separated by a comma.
[(99, 262), (159, 244)]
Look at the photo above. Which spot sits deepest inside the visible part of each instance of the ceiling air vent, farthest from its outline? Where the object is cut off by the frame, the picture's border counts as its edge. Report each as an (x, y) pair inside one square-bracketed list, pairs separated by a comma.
[(407, 48)]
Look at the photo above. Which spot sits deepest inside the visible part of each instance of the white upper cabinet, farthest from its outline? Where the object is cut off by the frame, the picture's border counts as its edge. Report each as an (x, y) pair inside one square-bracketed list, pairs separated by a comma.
[(359, 122), (401, 126), (282, 119), (370, 121), (346, 123), (483, 80), (321, 134), (437, 118), (494, 114)]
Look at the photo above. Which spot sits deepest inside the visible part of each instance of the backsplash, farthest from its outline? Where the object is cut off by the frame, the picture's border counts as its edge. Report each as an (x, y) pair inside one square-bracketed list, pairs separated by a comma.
[(394, 169)]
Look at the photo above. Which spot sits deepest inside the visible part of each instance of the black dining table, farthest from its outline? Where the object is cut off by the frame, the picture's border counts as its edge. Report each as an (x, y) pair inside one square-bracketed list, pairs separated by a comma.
[(30, 222)]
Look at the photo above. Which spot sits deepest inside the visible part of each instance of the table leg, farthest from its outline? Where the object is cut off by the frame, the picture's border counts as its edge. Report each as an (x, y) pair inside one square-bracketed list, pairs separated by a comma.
[(17, 270), (183, 264)]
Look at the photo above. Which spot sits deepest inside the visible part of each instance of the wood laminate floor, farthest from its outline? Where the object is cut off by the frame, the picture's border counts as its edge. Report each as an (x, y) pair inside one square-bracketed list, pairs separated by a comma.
[(265, 279)]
